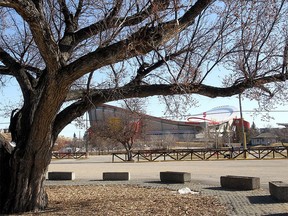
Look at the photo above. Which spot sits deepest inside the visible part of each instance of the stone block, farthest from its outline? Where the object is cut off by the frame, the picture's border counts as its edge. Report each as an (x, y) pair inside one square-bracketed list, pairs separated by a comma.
[(116, 176), (240, 182), (279, 190), (175, 177), (61, 176)]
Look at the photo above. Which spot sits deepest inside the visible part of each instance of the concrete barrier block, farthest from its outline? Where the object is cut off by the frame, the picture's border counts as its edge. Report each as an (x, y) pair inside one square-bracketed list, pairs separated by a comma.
[(175, 177), (279, 190), (61, 176), (240, 182), (116, 176)]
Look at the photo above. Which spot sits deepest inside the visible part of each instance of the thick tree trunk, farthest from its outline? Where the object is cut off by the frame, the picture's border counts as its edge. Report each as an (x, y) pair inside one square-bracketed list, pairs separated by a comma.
[(23, 170), (22, 175)]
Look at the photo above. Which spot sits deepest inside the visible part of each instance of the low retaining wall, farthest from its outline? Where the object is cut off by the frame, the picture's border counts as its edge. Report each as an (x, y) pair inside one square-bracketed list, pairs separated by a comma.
[(279, 190), (240, 182), (116, 176), (175, 177), (61, 176)]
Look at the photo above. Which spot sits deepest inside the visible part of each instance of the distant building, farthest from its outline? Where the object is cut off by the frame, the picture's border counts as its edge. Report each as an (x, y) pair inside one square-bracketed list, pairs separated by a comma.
[(158, 128), (155, 128), (264, 139)]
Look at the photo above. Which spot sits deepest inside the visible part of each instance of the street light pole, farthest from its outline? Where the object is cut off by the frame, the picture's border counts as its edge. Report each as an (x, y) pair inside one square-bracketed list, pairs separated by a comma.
[(243, 130)]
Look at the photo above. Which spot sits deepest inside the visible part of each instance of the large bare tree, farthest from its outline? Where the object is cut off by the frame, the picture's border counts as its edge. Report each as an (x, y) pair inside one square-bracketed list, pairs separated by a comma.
[(92, 52)]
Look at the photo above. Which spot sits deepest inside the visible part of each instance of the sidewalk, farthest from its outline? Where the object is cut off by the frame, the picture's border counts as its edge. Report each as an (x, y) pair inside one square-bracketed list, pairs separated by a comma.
[(205, 179)]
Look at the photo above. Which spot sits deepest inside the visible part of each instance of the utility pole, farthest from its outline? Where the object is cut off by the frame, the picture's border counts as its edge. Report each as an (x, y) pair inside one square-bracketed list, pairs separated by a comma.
[(87, 136), (243, 129)]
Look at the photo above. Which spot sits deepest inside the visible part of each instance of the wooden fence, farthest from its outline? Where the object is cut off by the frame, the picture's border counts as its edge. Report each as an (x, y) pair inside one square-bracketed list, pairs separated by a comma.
[(68, 155), (204, 154)]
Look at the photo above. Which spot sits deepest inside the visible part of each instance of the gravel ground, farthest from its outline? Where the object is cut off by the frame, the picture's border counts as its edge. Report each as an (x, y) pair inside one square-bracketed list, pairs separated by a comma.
[(127, 200)]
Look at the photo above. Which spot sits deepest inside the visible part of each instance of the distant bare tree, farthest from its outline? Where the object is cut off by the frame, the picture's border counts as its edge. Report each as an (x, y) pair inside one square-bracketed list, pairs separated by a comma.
[(61, 142), (135, 105), (101, 143), (123, 129)]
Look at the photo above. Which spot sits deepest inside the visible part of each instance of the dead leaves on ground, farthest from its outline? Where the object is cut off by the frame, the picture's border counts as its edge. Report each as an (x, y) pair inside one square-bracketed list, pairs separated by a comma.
[(127, 200)]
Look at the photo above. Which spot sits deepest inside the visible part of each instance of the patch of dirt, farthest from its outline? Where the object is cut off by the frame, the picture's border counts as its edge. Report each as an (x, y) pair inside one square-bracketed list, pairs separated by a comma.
[(127, 200)]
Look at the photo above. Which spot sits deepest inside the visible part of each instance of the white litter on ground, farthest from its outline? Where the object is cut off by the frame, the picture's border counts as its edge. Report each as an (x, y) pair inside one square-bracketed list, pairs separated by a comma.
[(187, 190)]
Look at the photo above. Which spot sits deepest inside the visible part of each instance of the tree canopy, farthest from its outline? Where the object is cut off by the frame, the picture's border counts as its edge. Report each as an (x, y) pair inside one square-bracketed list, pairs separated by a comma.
[(121, 49)]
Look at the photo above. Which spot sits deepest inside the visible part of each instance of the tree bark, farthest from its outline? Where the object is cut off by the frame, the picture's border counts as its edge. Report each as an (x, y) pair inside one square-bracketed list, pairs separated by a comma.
[(128, 148), (22, 177), (129, 155), (23, 170)]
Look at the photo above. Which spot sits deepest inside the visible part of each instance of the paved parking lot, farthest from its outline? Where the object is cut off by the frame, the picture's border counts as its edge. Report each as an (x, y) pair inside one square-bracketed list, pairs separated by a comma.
[(205, 178), (208, 172)]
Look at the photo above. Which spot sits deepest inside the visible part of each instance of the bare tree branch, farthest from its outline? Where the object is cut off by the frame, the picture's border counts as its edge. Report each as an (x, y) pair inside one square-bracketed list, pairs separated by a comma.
[(16, 70), (112, 22), (140, 42), (40, 29)]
